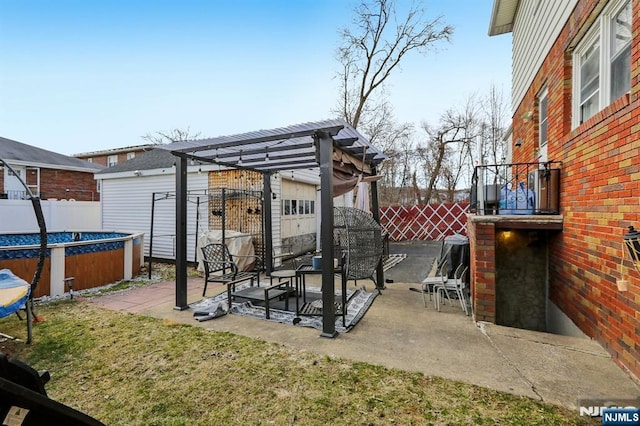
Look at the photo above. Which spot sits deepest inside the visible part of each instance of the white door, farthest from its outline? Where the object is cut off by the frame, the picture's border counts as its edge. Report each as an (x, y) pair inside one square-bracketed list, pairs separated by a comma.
[(12, 185)]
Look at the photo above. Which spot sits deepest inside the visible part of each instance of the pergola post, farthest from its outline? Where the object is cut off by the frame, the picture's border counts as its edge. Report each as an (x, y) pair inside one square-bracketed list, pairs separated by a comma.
[(325, 148), (181, 234), (375, 206), (268, 222)]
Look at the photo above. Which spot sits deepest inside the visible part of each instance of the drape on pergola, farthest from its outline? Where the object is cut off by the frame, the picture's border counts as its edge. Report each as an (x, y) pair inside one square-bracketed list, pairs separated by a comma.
[(344, 156)]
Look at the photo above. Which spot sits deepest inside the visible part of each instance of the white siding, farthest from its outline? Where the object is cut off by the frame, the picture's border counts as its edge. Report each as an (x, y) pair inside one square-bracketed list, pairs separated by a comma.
[(276, 213), (536, 27), (126, 206), (311, 176)]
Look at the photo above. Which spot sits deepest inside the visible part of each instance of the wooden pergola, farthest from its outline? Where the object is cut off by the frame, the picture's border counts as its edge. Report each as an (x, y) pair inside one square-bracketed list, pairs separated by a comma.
[(343, 155)]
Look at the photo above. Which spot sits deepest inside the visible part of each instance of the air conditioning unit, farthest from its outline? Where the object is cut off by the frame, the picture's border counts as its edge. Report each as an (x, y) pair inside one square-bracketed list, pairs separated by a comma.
[(545, 183)]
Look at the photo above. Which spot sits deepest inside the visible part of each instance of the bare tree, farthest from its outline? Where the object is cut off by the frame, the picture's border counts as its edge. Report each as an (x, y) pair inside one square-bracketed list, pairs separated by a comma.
[(446, 157), (447, 150), (174, 135), (494, 111), (375, 46), (371, 49)]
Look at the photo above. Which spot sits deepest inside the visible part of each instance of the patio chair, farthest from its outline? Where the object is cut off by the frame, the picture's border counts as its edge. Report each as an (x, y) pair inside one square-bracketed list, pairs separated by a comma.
[(357, 243), (455, 285), (429, 283), (220, 267)]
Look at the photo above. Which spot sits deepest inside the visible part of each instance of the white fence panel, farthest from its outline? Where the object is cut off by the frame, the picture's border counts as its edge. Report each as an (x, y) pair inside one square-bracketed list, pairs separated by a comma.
[(59, 215)]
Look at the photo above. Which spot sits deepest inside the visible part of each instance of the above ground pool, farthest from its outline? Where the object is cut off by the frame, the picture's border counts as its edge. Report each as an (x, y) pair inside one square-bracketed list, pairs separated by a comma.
[(75, 260)]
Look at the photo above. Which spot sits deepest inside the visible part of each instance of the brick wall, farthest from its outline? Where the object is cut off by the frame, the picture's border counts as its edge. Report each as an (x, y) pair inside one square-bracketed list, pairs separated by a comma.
[(102, 158), (600, 195), (483, 270), (81, 185)]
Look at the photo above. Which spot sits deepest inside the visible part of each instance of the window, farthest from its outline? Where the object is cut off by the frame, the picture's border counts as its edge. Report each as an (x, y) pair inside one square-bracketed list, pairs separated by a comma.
[(112, 160), (542, 118), (131, 155), (298, 207), (602, 62), (90, 160), (621, 52)]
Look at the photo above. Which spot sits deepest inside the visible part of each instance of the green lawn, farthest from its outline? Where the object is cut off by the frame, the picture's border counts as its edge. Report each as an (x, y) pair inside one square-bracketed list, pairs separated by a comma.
[(134, 370)]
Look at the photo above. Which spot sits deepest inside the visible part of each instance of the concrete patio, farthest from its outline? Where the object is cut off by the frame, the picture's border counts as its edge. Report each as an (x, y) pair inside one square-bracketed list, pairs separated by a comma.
[(399, 332)]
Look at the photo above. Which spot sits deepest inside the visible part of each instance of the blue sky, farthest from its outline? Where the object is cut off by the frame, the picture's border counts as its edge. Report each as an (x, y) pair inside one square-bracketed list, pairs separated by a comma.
[(79, 75)]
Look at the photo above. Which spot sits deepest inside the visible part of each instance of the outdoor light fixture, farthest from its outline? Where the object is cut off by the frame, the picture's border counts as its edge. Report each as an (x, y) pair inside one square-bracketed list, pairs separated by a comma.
[(519, 143), (266, 154), (527, 116), (240, 159)]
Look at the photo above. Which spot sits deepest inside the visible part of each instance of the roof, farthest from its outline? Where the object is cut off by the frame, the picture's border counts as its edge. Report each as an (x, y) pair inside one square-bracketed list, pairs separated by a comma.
[(145, 147), (502, 16), (284, 148), (154, 159), (15, 152)]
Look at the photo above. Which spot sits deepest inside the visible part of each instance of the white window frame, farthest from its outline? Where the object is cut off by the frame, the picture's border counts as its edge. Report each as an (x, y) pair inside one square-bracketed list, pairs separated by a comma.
[(543, 96), (131, 155), (112, 160), (601, 32)]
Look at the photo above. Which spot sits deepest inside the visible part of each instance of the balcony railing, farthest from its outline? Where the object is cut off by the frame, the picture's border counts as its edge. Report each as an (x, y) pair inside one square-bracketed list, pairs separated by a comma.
[(516, 188), (15, 195)]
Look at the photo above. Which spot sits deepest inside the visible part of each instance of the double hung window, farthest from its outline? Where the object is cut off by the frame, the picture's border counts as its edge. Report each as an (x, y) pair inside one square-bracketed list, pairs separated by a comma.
[(602, 62)]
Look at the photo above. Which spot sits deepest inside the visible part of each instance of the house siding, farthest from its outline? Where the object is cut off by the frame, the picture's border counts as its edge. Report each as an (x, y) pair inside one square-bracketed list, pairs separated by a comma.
[(600, 185), (126, 205), (535, 28)]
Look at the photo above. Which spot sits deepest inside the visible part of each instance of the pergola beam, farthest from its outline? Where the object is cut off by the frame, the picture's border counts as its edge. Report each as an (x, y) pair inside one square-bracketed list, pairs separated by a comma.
[(244, 140)]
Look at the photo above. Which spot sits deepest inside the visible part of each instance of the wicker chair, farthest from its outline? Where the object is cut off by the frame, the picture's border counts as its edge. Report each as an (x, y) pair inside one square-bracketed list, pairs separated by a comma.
[(358, 242)]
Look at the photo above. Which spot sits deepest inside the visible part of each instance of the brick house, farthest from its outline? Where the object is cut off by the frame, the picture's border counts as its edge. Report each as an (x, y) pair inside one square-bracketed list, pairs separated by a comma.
[(112, 157), (576, 79), (47, 174)]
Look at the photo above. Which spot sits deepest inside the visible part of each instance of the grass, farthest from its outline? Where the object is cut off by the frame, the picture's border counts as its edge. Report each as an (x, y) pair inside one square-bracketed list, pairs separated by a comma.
[(125, 369)]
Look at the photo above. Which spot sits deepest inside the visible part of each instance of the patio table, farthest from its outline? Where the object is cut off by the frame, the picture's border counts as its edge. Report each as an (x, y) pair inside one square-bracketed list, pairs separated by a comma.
[(303, 270)]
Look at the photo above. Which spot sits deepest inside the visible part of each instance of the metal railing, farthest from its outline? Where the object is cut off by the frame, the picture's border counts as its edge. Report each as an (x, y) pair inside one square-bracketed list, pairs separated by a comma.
[(516, 188), (15, 195)]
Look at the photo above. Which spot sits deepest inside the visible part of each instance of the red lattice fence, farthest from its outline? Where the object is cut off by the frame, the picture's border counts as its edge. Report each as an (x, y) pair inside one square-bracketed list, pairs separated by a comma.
[(430, 222)]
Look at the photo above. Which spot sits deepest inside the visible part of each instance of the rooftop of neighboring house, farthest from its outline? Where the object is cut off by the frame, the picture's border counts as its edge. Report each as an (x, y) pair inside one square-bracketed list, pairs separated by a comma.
[(154, 159), (19, 153), (112, 151)]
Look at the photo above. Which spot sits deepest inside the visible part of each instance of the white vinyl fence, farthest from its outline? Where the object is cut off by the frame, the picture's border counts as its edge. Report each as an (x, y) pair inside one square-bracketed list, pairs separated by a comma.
[(59, 215)]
